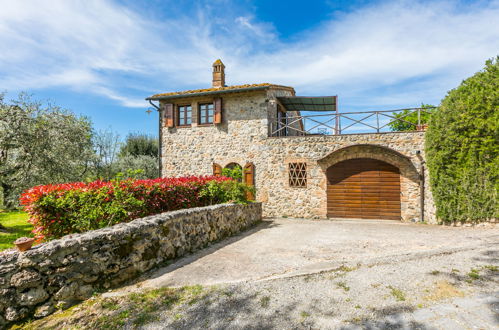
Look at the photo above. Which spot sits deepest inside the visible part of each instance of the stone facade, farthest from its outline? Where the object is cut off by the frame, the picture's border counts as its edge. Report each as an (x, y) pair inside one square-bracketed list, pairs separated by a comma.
[(244, 137), (58, 273)]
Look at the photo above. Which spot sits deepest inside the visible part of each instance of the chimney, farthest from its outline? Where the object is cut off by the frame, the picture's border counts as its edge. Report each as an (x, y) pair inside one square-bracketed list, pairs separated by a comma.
[(218, 74)]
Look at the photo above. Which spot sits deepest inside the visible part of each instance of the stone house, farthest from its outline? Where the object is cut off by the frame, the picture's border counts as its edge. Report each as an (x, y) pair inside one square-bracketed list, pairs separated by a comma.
[(300, 166)]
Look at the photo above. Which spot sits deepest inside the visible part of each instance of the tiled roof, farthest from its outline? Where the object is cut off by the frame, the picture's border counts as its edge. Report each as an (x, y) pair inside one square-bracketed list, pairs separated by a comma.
[(215, 90)]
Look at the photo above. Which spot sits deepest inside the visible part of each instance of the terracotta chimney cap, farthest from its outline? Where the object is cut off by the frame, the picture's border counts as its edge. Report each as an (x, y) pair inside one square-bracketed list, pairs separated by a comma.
[(218, 62)]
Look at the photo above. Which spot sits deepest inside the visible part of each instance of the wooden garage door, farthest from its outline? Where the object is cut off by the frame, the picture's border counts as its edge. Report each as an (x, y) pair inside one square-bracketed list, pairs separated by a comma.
[(363, 188)]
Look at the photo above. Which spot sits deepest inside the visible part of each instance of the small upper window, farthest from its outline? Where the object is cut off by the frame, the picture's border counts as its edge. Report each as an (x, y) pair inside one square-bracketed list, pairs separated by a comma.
[(206, 112), (184, 115)]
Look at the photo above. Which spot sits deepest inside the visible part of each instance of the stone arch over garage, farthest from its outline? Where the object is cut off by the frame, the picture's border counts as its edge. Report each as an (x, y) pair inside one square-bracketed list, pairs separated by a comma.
[(409, 175)]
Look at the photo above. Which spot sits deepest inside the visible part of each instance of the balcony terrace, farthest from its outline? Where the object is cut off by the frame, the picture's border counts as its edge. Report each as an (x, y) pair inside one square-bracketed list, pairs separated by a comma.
[(305, 116)]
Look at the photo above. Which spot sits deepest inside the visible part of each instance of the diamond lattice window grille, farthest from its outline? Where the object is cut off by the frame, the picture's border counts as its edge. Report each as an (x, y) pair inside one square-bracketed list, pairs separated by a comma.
[(297, 174)]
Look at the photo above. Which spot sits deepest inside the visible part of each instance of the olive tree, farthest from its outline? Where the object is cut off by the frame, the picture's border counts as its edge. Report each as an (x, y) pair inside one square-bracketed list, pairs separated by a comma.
[(106, 145), (139, 152), (40, 144), (137, 144)]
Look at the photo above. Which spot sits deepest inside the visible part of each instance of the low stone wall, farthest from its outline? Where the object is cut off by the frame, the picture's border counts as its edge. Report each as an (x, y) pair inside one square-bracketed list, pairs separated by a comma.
[(59, 273)]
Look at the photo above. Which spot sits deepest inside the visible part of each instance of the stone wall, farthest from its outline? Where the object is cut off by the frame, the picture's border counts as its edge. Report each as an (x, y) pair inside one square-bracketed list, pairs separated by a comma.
[(58, 273), (244, 137), (320, 152)]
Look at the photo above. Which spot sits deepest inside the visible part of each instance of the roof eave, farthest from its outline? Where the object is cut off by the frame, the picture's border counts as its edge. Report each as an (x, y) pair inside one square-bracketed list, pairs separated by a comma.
[(247, 89)]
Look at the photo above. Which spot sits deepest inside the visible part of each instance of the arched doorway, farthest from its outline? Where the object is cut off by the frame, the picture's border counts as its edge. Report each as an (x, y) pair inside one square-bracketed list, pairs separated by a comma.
[(363, 188)]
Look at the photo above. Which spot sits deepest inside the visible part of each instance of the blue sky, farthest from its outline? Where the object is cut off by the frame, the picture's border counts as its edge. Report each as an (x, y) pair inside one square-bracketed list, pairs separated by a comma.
[(101, 58)]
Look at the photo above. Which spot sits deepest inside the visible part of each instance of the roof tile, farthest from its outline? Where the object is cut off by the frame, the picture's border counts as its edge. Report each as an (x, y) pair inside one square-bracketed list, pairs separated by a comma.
[(215, 89)]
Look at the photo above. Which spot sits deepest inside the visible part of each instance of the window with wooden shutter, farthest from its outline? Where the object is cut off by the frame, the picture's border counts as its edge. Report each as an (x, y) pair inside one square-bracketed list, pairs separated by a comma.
[(217, 102), (206, 113), (184, 115), (168, 115), (249, 178), (217, 169)]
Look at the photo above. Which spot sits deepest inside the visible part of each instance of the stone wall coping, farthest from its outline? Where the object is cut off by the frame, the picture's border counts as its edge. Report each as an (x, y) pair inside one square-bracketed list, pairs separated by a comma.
[(320, 136)]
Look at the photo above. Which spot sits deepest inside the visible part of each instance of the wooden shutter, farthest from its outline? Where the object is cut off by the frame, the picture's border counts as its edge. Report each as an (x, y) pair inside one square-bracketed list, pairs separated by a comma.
[(249, 178), (217, 169), (217, 104), (168, 115)]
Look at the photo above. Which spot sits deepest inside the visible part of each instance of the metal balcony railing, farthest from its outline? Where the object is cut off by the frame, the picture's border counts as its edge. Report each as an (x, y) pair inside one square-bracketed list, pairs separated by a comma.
[(413, 119)]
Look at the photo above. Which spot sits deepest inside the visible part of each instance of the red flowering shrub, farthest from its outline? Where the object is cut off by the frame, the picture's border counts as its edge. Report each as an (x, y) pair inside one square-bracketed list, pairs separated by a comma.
[(61, 209)]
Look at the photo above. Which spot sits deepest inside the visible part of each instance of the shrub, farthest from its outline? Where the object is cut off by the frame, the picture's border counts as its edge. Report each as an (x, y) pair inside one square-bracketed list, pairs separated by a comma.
[(232, 191), (409, 118), (462, 148), (58, 210), (235, 172)]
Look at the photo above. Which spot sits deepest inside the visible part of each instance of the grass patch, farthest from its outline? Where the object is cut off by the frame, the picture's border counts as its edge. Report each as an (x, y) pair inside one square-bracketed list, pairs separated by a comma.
[(491, 268), (264, 301), (347, 269), (17, 226), (110, 304), (129, 311), (443, 290), (113, 321), (398, 294), (343, 285), (195, 292), (303, 316), (435, 272), (307, 278), (474, 274), (342, 271), (227, 292)]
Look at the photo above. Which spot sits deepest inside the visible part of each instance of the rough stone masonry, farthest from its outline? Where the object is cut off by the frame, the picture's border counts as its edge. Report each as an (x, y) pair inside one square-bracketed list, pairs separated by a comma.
[(242, 131), (243, 137), (61, 272)]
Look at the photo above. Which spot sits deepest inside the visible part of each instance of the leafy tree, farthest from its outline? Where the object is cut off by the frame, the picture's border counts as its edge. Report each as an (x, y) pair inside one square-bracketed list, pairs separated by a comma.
[(410, 118), (139, 152), (112, 157), (462, 148), (140, 145), (106, 145), (146, 167), (40, 144)]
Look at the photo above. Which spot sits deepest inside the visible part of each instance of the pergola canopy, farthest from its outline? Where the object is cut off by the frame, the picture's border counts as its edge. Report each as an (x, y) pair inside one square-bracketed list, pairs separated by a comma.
[(309, 103)]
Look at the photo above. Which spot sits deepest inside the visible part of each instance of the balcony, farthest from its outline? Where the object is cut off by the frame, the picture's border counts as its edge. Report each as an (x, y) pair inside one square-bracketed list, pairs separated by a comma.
[(325, 122)]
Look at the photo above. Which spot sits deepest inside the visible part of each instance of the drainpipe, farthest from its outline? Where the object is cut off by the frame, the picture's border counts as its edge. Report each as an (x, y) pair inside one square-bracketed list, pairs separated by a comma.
[(421, 184), (160, 152)]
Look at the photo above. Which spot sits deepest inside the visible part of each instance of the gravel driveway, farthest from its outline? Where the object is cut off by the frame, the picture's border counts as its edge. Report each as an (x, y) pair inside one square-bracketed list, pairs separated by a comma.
[(306, 274), (295, 273)]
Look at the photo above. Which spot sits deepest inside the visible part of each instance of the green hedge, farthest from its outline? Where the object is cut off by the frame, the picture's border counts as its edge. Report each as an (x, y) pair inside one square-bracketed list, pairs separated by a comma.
[(462, 147)]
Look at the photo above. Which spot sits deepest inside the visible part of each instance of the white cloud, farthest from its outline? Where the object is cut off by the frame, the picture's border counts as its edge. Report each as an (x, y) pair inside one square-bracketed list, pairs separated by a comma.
[(386, 45), (397, 53)]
